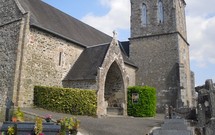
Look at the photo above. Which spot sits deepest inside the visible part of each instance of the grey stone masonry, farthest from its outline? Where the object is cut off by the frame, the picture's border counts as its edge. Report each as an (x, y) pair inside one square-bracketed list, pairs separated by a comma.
[(176, 124), (173, 18), (10, 25), (210, 128), (46, 61), (206, 103), (9, 12), (206, 107), (173, 127), (161, 51), (113, 61)]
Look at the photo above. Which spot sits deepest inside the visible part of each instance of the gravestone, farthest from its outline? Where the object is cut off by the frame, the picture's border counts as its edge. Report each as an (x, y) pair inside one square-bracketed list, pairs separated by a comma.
[(48, 128), (173, 127), (9, 110), (206, 107), (209, 85), (27, 128), (167, 113)]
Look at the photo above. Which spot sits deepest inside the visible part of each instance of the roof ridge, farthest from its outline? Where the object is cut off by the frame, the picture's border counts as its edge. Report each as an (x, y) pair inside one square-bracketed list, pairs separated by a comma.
[(99, 45), (57, 21), (20, 6)]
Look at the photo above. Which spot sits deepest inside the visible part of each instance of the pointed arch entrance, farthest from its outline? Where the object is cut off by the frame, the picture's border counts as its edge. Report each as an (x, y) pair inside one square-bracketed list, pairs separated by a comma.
[(114, 90)]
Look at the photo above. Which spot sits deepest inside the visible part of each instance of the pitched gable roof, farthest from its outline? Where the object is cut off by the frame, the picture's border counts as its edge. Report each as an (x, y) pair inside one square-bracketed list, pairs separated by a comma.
[(88, 63), (125, 45), (86, 67), (48, 18), (55, 21)]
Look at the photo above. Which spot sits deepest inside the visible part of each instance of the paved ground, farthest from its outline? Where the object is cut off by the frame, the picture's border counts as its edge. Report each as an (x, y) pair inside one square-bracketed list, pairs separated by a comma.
[(106, 125)]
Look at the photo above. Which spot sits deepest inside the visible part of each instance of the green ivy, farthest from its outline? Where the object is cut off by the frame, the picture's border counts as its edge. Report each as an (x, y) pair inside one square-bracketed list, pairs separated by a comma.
[(66, 100), (145, 106)]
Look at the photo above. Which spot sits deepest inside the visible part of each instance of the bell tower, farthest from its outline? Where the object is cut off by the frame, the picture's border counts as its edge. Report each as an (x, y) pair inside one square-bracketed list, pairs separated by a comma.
[(159, 47)]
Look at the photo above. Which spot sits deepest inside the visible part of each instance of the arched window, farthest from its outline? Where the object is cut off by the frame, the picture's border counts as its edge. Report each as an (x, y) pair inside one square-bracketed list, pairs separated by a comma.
[(144, 15), (160, 11)]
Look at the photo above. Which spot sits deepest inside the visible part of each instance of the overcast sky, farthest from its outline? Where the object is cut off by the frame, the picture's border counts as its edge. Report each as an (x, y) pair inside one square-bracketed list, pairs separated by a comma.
[(109, 15)]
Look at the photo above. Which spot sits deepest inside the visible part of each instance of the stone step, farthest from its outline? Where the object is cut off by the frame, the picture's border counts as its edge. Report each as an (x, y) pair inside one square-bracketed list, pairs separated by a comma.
[(173, 127), (174, 121), (172, 132), (114, 111), (177, 124)]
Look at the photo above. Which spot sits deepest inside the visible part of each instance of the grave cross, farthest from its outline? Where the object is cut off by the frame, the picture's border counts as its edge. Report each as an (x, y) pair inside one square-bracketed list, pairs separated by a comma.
[(9, 108)]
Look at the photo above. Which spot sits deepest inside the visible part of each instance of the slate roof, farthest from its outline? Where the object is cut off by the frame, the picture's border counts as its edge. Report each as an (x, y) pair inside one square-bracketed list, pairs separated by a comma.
[(50, 19), (126, 47), (85, 68), (55, 21)]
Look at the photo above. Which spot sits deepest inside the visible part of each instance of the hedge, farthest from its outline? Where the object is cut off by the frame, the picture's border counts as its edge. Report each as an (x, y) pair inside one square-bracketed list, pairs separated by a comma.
[(145, 106), (66, 100)]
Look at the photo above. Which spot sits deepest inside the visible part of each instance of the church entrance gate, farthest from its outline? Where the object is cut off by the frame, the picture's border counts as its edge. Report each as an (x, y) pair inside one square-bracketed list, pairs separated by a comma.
[(114, 91)]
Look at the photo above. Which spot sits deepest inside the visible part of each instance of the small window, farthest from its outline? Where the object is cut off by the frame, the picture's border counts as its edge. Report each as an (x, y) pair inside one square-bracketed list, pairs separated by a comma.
[(160, 12), (144, 15), (60, 58)]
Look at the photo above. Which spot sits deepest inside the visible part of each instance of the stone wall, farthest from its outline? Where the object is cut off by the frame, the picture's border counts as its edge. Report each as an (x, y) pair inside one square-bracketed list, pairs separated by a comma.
[(174, 16), (9, 12), (157, 58), (185, 73), (131, 72), (10, 24), (114, 87), (179, 7), (161, 51), (8, 52), (206, 107), (113, 56), (47, 60), (82, 84), (153, 26), (194, 94)]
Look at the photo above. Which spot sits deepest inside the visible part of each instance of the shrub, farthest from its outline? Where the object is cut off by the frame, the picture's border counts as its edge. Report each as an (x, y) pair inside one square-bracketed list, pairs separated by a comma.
[(38, 127), (19, 115), (66, 100), (145, 106)]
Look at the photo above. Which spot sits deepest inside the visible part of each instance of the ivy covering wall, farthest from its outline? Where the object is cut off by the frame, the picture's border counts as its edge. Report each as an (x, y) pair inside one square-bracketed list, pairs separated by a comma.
[(66, 100), (141, 101)]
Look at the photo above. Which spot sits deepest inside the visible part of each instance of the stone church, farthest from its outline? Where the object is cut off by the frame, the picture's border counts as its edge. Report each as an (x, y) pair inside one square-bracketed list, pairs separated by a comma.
[(41, 45)]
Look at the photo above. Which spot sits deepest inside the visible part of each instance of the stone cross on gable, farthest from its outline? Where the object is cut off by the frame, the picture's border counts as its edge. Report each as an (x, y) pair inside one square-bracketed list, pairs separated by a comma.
[(114, 34), (115, 37)]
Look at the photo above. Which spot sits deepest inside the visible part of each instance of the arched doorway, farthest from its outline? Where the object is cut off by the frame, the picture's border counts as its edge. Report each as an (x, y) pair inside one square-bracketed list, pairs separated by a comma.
[(114, 90)]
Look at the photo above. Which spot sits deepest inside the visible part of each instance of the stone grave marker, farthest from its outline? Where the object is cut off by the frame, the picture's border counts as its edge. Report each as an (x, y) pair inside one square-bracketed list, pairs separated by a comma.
[(173, 127), (9, 110)]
